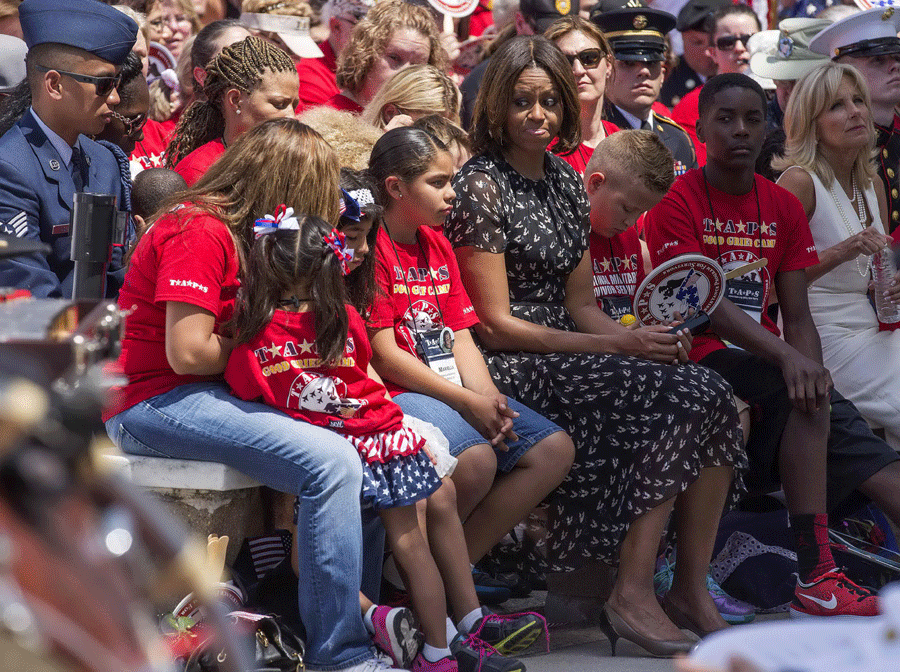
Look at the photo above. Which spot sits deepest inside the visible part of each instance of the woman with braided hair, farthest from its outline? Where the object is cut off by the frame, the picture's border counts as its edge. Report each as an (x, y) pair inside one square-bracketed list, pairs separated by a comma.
[(250, 82)]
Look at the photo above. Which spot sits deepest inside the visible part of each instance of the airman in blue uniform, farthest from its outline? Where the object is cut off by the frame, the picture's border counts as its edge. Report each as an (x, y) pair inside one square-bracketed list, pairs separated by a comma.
[(75, 51)]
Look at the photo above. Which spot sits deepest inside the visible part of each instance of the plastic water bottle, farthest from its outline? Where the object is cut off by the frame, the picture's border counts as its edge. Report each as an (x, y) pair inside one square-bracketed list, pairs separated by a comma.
[(884, 268)]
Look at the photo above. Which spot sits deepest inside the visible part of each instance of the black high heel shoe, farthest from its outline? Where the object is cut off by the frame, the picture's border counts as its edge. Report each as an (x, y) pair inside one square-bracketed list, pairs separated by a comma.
[(615, 628)]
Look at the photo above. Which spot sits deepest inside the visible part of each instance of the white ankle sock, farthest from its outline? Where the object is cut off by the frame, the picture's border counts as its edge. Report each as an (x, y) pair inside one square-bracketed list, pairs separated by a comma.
[(469, 620), (451, 631), (433, 654), (367, 619)]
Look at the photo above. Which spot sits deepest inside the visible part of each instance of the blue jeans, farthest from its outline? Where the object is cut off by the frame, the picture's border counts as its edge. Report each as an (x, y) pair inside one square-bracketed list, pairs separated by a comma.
[(203, 421), (530, 427)]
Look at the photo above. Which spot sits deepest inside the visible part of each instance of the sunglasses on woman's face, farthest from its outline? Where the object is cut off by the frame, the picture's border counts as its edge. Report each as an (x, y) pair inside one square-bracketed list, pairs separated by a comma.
[(589, 58), (728, 42)]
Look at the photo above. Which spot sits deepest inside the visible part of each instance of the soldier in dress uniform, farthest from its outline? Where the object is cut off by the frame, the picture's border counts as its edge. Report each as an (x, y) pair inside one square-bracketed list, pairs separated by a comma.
[(75, 52), (695, 66), (637, 38), (868, 41)]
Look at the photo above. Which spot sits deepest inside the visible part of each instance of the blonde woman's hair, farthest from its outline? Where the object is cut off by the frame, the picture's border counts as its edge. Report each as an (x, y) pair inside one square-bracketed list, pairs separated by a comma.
[(186, 6), (279, 161), (351, 138), (240, 66), (814, 94), (419, 89), (371, 35), (635, 156)]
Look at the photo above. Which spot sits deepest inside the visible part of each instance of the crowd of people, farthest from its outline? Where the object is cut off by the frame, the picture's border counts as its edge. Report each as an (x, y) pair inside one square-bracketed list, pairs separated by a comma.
[(397, 280)]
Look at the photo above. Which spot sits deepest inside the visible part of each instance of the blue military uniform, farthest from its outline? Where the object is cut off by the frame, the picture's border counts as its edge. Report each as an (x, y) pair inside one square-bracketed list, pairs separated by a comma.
[(36, 182)]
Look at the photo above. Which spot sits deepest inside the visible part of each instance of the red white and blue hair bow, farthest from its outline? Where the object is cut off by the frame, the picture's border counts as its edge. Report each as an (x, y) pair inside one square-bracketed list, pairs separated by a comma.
[(282, 219), (338, 244)]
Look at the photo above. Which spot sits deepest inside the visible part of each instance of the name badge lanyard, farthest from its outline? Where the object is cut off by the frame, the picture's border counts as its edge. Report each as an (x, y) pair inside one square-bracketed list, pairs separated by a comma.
[(745, 294), (430, 345)]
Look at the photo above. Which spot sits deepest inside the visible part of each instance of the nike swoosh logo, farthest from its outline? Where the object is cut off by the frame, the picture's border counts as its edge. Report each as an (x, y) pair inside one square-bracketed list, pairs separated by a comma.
[(825, 604)]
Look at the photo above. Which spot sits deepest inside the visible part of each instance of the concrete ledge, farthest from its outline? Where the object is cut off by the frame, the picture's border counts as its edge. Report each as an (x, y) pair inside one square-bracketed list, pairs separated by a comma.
[(210, 498), (165, 473)]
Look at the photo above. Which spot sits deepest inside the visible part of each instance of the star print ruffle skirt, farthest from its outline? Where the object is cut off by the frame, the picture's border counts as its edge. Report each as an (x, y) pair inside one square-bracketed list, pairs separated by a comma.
[(401, 475), (642, 433)]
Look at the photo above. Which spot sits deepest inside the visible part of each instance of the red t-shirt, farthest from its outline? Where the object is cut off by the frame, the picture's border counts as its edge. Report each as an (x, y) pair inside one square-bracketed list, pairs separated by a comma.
[(149, 152), (340, 102), (618, 268), (187, 257), (405, 295), (317, 80), (280, 367), (659, 108), (579, 159), (194, 165), (481, 18), (685, 114), (682, 224)]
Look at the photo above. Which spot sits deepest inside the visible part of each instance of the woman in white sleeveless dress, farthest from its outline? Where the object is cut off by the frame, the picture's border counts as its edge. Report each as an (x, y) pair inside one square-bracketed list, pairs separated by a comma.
[(828, 166)]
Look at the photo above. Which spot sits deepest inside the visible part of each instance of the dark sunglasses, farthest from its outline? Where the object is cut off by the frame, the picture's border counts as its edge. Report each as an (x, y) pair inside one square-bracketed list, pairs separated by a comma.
[(132, 124), (589, 58), (728, 42), (103, 85)]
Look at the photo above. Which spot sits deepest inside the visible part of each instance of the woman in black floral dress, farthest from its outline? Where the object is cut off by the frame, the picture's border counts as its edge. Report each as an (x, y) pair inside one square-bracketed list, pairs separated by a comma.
[(650, 429)]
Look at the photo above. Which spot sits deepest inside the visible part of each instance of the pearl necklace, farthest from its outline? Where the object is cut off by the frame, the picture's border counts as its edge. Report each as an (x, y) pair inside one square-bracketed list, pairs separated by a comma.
[(861, 213)]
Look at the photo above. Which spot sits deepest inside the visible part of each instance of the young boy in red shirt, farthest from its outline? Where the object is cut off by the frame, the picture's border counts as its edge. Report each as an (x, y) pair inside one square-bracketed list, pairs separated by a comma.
[(803, 432)]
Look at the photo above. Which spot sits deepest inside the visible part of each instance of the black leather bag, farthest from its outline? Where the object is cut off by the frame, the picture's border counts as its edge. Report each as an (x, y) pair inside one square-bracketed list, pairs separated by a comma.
[(276, 647)]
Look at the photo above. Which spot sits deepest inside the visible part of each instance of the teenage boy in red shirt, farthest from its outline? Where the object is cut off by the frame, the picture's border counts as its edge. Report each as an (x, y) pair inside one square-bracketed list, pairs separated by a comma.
[(821, 452)]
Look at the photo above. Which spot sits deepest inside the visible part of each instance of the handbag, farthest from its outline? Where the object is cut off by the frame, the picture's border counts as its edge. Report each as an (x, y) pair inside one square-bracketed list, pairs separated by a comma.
[(276, 648)]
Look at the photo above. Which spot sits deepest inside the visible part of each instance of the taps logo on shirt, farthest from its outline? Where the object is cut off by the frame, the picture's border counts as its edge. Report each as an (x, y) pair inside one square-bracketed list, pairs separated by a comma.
[(420, 317), (322, 394)]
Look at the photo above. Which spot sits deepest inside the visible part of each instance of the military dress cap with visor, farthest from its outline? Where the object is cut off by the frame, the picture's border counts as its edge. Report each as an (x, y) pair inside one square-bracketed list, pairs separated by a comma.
[(636, 34), (605, 6), (788, 57), (869, 33), (541, 13), (694, 14), (87, 24)]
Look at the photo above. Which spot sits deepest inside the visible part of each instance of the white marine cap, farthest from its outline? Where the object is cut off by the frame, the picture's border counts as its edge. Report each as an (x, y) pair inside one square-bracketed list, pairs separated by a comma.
[(868, 33), (293, 31)]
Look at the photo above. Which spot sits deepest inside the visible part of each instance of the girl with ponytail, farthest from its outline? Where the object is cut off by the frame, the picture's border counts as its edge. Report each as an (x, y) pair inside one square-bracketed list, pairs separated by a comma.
[(248, 83), (303, 349)]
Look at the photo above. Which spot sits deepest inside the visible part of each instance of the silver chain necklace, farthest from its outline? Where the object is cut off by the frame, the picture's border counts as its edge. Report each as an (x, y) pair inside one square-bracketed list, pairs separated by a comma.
[(861, 212)]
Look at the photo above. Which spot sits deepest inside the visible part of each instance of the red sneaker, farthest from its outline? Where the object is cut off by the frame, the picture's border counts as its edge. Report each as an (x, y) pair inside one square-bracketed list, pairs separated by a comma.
[(833, 594)]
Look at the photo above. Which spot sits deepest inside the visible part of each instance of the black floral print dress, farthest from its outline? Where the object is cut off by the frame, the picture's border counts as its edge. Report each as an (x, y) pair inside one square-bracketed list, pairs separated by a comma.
[(642, 430)]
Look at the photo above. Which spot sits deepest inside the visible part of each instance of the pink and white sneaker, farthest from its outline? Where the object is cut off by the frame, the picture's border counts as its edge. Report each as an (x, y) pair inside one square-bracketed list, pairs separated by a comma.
[(447, 664), (396, 633)]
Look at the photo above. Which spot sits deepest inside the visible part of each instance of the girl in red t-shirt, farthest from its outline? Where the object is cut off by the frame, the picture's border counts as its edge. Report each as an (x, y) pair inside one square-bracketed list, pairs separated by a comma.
[(510, 457), (304, 350)]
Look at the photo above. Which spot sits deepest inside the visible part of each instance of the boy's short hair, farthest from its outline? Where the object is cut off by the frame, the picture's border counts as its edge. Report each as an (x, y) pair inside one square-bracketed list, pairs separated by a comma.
[(724, 81), (635, 155), (152, 189)]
